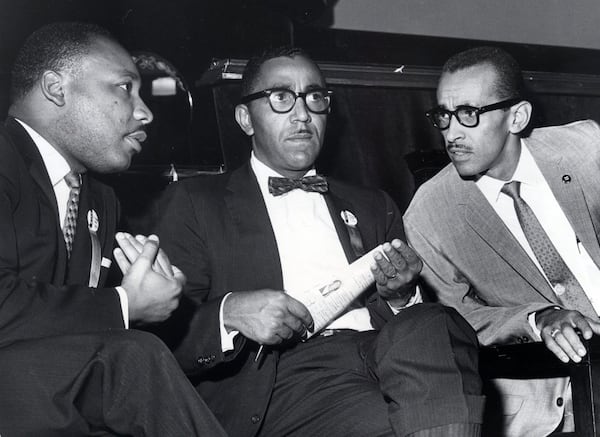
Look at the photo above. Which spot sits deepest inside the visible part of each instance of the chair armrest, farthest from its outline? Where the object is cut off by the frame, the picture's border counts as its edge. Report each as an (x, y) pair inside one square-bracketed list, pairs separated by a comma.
[(534, 360)]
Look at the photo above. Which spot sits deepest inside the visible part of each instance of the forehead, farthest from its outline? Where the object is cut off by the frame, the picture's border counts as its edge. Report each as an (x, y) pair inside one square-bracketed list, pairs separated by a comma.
[(108, 57), (469, 86), (296, 73)]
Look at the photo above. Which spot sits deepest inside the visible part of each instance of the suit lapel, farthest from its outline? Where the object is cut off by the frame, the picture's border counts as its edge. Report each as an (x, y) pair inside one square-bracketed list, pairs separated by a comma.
[(253, 233), (482, 218), (563, 179), (39, 174), (336, 205)]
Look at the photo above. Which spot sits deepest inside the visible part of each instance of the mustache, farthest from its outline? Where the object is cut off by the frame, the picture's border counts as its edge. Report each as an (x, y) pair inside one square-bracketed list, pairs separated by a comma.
[(451, 147)]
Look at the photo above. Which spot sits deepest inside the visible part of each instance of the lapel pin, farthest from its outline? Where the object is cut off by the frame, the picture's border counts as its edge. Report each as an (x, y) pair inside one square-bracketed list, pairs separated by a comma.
[(349, 218), (566, 178), (93, 222)]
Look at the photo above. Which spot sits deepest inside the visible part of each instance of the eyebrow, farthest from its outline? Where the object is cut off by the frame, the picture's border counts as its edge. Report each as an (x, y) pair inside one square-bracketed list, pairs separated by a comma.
[(289, 86)]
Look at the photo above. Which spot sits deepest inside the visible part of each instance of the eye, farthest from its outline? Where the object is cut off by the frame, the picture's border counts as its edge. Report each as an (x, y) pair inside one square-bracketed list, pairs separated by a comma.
[(316, 96), (468, 111), (127, 87), (280, 95)]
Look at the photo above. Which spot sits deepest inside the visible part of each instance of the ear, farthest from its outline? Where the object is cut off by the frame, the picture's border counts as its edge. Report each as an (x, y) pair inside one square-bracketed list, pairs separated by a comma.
[(242, 116), (521, 114), (52, 87)]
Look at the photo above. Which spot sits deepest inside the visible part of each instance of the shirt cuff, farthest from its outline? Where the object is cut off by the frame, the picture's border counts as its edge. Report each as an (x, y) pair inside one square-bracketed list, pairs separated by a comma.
[(226, 337), (415, 299), (124, 305)]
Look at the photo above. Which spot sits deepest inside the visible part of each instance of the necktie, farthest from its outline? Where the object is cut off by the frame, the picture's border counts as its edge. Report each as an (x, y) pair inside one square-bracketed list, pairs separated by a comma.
[(73, 180), (565, 285), (279, 186)]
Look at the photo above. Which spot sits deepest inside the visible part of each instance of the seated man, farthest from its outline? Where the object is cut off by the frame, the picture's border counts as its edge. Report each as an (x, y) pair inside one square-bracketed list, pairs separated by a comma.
[(241, 244), (67, 365), (507, 231)]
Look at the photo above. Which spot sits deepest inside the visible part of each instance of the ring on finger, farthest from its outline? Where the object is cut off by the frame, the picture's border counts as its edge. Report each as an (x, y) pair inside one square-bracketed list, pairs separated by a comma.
[(394, 276), (554, 332)]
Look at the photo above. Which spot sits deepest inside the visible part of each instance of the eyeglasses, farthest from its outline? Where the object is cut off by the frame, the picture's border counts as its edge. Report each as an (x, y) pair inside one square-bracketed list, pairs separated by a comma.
[(466, 115), (282, 100)]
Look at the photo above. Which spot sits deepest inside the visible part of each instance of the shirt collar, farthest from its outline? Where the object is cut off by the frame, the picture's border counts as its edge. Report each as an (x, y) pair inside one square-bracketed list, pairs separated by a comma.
[(527, 172), (263, 172), (56, 165)]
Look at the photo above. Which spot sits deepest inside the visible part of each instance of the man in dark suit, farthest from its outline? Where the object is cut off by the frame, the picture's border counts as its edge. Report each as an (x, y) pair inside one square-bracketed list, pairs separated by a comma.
[(485, 255), (67, 365), (240, 244)]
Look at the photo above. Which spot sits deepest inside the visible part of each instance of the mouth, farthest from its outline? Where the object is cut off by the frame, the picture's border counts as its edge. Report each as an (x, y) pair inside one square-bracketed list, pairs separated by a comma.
[(456, 151), (136, 139), (300, 136)]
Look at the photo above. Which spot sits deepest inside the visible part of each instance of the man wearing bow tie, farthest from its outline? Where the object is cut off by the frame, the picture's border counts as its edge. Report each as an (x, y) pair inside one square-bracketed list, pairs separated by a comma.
[(508, 231), (383, 367)]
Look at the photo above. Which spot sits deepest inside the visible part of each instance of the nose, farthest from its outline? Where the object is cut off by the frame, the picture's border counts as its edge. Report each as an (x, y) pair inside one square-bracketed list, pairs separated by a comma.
[(300, 111), (142, 113), (455, 130)]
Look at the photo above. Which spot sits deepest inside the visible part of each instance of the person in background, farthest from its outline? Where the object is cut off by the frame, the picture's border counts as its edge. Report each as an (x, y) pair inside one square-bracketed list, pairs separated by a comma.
[(68, 366)]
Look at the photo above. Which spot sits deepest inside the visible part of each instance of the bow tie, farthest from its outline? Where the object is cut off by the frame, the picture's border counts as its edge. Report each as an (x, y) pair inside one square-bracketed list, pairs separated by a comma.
[(279, 186)]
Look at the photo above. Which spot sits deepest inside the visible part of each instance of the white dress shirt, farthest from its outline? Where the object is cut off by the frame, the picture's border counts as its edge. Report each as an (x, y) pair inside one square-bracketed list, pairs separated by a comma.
[(538, 195), (57, 168)]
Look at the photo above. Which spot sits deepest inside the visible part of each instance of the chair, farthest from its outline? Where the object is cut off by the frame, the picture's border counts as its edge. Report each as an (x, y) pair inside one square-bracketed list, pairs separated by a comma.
[(534, 360)]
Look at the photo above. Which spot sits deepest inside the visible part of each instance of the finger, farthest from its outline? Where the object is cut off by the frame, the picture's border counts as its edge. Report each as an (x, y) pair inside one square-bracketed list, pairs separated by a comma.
[(121, 260), (139, 242), (553, 346), (564, 343), (594, 326), (128, 245), (380, 278), (410, 256), (165, 264), (571, 337), (386, 267), (298, 309), (394, 256), (149, 252), (179, 276), (585, 326)]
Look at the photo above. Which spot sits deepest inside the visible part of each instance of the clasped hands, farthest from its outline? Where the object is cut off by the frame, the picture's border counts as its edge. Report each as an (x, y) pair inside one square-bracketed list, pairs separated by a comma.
[(558, 328), (153, 285), (272, 316)]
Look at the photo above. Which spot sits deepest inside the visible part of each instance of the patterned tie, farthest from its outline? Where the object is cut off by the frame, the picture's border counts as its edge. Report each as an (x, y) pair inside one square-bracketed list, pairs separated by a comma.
[(316, 184), (73, 180), (561, 278)]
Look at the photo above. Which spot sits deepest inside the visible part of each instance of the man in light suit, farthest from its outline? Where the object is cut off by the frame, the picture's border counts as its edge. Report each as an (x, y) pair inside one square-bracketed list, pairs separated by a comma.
[(67, 365), (241, 244), (479, 252)]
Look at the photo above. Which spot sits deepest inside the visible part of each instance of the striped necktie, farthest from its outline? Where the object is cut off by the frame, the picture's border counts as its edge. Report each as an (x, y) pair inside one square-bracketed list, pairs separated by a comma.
[(564, 283), (73, 180)]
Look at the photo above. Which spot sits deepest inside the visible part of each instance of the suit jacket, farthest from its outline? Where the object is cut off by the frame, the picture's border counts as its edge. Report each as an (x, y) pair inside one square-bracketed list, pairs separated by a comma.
[(217, 230), (473, 262), (41, 292)]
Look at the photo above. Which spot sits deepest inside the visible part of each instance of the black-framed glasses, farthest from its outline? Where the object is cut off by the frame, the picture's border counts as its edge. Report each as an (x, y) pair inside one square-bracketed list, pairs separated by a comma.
[(466, 115), (282, 100)]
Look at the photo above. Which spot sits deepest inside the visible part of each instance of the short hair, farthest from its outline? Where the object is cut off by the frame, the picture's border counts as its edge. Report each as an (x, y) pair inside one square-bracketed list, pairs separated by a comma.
[(252, 69), (509, 81), (56, 46)]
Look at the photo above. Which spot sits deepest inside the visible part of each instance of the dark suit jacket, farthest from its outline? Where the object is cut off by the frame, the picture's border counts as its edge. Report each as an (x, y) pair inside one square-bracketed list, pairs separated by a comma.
[(41, 293), (217, 230), (473, 262)]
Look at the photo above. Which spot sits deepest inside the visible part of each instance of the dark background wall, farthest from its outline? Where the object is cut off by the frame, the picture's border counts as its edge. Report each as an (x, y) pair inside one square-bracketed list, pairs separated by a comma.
[(377, 134)]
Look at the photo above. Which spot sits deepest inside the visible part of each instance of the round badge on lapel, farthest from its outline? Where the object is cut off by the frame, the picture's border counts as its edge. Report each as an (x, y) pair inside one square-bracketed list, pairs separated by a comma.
[(566, 178), (93, 222), (349, 218)]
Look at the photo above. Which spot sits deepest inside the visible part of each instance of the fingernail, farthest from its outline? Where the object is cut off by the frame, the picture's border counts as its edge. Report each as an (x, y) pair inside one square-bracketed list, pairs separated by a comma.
[(119, 236), (153, 237)]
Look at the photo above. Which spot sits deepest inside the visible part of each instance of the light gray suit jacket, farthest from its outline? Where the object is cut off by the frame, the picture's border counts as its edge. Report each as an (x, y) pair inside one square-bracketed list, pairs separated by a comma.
[(474, 263)]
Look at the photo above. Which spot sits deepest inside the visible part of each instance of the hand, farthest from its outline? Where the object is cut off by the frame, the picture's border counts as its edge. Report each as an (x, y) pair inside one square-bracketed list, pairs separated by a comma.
[(152, 284), (266, 316), (396, 275), (557, 327)]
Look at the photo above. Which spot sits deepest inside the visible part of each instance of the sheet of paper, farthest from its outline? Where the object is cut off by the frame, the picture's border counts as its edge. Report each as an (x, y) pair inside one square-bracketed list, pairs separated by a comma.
[(330, 297)]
